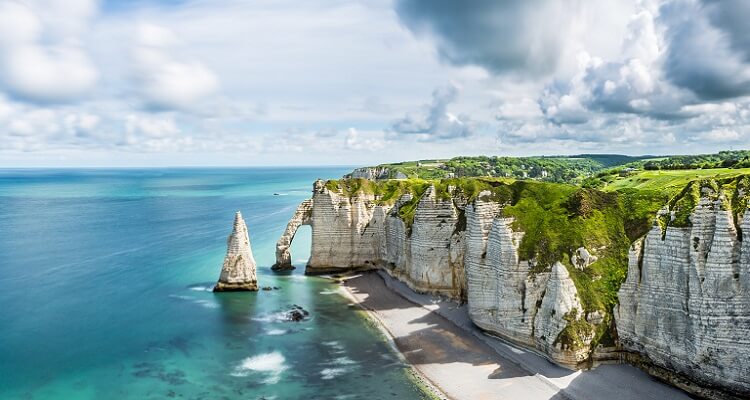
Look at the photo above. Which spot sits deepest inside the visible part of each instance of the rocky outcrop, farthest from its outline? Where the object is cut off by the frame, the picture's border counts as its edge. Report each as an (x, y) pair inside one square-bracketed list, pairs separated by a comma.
[(353, 232), (371, 173), (345, 231), (464, 250), (507, 298), (302, 216), (238, 270), (684, 310)]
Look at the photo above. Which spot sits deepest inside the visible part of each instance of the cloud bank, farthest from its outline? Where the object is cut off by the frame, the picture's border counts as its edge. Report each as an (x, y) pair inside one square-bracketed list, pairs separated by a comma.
[(272, 82)]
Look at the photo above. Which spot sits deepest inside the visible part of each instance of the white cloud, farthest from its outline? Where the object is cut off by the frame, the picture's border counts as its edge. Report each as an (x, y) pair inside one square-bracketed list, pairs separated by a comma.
[(616, 76), (367, 141), (435, 122), (81, 124), (166, 81), (41, 56), (152, 126)]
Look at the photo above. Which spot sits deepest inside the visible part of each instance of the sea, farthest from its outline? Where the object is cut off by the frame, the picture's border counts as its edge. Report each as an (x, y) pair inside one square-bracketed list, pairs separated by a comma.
[(105, 292)]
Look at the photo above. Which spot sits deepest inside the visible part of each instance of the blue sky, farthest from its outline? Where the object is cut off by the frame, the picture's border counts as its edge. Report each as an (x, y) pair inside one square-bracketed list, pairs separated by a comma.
[(147, 83)]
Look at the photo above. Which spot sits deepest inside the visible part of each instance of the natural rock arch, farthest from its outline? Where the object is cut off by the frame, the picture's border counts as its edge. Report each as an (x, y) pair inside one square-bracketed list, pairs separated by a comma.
[(303, 216)]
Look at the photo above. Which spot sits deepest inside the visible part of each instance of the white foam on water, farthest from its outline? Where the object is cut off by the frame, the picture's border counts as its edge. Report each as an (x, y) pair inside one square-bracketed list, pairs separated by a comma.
[(272, 364), (203, 303), (342, 361), (275, 317), (207, 303), (336, 347), (202, 288), (330, 291), (276, 332), (330, 373)]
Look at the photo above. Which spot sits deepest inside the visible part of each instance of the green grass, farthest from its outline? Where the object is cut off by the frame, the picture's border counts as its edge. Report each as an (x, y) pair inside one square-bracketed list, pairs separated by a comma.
[(671, 181)]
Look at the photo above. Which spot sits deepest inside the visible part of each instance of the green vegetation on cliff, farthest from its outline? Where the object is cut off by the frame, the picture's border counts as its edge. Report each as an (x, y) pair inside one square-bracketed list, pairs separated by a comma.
[(557, 219), (590, 170), (561, 169)]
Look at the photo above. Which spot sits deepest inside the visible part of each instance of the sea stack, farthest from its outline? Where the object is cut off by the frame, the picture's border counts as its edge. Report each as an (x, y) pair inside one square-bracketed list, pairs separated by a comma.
[(238, 271)]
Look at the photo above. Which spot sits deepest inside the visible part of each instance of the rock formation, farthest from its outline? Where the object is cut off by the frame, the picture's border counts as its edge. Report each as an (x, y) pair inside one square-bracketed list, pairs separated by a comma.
[(238, 270), (371, 173), (460, 250), (685, 307), (302, 216)]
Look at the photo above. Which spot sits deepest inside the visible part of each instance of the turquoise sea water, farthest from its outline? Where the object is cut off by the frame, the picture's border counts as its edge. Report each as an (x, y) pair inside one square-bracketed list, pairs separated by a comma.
[(105, 280)]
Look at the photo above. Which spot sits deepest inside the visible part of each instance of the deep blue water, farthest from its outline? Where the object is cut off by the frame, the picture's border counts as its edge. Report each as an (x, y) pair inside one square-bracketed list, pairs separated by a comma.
[(105, 280)]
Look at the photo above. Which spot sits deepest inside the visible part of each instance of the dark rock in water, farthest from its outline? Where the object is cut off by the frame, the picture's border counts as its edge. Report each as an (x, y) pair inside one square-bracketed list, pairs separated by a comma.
[(276, 288), (297, 314), (267, 288)]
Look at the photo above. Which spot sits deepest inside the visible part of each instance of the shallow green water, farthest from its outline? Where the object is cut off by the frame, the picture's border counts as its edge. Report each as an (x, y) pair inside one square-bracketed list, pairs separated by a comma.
[(105, 280)]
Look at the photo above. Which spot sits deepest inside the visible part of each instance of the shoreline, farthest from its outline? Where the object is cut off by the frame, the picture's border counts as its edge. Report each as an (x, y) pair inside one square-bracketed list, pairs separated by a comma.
[(453, 364), (442, 346), (431, 389)]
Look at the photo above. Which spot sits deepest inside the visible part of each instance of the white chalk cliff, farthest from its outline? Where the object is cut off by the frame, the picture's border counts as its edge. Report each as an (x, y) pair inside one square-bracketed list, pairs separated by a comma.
[(238, 271), (684, 312), (452, 248), (684, 309)]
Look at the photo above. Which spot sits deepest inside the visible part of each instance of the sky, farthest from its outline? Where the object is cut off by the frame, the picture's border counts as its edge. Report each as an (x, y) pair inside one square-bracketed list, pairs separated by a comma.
[(334, 82)]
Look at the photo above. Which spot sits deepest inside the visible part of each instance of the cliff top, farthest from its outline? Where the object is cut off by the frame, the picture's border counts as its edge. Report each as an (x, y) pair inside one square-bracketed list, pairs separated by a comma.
[(582, 169), (558, 219)]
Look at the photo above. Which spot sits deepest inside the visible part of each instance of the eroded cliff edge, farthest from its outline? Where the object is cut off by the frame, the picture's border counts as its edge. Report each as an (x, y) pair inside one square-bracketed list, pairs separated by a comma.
[(684, 311), (541, 265)]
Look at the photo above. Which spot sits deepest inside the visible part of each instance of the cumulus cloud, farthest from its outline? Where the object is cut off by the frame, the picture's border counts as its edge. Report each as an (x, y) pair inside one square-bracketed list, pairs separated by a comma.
[(435, 122), (81, 124), (369, 141), (501, 36), (166, 81), (536, 76), (42, 58), (153, 126), (708, 50)]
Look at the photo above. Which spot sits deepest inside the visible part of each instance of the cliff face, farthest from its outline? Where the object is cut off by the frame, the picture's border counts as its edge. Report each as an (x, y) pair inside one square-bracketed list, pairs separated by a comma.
[(451, 248), (371, 173), (354, 232), (685, 306), (238, 270), (506, 298)]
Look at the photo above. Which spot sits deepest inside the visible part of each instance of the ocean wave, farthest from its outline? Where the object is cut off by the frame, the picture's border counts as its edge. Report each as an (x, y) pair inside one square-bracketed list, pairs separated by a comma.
[(199, 288), (206, 303), (272, 364), (277, 332), (333, 344), (329, 291), (274, 317), (342, 361), (330, 373), (201, 302), (336, 347)]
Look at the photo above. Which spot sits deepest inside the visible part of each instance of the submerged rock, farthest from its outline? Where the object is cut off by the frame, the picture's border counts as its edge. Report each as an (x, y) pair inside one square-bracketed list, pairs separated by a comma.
[(238, 271), (297, 314)]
